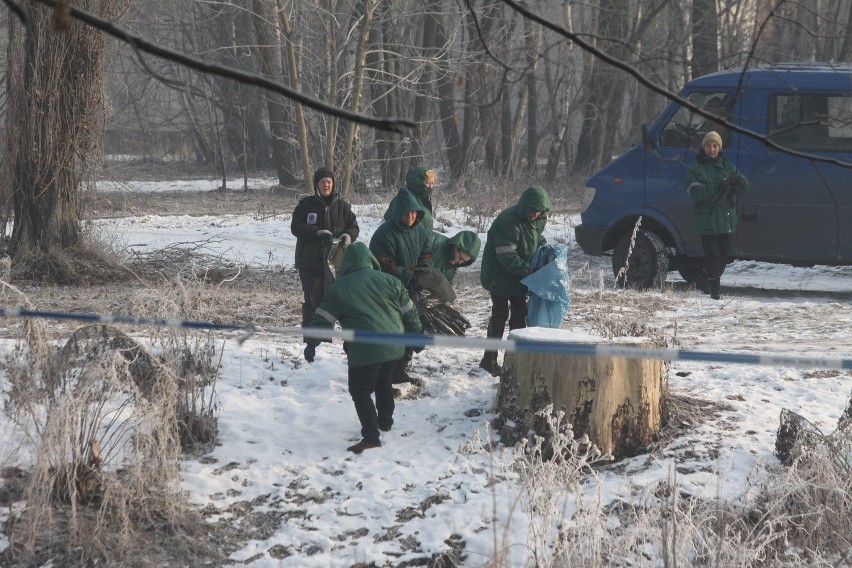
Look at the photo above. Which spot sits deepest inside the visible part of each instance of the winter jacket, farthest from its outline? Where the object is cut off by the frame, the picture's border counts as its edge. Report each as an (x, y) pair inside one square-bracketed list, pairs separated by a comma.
[(512, 241), (400, 249), (415, 181), (364, 298), (442, 251), (712, 214), (314, 213)]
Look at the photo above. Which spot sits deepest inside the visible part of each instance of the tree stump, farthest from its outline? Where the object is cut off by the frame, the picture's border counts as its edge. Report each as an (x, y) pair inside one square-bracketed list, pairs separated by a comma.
[(616, 401)]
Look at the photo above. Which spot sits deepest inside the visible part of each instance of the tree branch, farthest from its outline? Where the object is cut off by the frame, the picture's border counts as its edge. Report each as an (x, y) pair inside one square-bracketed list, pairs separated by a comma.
[(140, 44), (618, 64)]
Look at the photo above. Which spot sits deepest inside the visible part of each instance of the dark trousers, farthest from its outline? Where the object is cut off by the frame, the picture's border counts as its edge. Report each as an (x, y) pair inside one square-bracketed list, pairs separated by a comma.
[(363, 382), (313, 288), (717, 248), (512, 308)]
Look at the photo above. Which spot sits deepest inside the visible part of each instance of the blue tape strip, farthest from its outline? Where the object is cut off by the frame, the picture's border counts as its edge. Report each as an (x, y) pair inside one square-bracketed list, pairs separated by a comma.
[(417, 340)]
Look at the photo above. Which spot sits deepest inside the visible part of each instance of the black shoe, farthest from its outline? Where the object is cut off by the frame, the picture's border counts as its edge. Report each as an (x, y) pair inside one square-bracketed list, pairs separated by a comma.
[(363, 445), (715, 289), (386, 427), (490, 365), (403, 377)]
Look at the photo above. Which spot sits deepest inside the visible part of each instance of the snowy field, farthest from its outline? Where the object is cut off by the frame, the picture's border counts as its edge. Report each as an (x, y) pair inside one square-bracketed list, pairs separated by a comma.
[(284, 425)]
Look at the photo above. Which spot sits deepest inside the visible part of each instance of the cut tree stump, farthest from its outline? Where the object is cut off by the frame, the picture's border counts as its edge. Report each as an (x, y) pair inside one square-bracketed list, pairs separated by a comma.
[(617, 402)]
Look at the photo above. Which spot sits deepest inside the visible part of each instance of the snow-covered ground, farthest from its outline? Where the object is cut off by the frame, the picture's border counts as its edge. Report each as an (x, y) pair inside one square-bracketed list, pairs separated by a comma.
[(284, 425)]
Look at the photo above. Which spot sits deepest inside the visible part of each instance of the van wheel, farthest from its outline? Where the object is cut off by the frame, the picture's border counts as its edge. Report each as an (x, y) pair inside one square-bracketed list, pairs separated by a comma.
[(648, 265)]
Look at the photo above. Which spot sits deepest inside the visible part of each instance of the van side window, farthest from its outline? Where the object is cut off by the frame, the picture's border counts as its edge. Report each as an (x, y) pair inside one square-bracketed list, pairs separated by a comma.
[(686, 128), (815, 122)]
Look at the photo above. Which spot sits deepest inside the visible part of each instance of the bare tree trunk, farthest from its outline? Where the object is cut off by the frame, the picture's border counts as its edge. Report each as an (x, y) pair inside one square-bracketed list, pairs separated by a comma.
[(446, 95), (295, 84), (269, 34), (56, 99), (533, 43), (705, 34), (602, 110), (357, 91)]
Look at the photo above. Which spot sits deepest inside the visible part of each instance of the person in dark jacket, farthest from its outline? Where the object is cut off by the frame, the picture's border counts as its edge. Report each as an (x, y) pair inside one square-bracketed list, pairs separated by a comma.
[(449, 254), (317, 219), (513, 239), (364, 298), (714, 183), (419, 181)]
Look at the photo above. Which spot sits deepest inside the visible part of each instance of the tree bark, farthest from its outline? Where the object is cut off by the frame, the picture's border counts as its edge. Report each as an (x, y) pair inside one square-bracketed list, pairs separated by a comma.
[(54, 119), (617, 402), (705, 34)]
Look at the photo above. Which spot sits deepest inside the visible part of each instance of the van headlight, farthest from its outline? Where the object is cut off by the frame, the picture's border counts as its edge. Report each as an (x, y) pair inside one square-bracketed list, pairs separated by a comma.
[(588, 197)]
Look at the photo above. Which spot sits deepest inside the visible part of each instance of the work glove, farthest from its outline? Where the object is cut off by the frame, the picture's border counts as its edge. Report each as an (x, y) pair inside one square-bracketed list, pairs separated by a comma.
[(345, 239), (310, 353), (414, 285), (324, 234)]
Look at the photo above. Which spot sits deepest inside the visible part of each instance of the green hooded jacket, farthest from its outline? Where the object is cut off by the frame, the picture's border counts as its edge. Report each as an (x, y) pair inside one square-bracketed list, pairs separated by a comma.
[(512, 241), (400, 249), (364, 298), (415, 183), (703, 178), (442, 251)]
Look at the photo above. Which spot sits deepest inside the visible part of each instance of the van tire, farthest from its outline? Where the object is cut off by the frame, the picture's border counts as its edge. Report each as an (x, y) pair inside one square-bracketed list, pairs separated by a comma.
[(649, 261)]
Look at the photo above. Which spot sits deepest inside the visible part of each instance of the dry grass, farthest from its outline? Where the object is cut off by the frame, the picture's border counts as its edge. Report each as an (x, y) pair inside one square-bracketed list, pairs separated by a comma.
[(106, 419)]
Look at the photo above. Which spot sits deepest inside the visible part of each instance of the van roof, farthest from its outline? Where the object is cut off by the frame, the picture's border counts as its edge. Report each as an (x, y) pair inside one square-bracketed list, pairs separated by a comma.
[(824, 76)]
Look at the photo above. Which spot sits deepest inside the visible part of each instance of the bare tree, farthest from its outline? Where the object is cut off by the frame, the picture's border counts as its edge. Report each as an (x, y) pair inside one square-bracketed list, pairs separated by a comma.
[(54, 122)]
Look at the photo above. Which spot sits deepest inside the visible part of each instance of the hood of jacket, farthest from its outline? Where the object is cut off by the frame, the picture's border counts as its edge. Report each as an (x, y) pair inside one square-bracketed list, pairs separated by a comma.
[(358, 257), (415, 180), (469, 242), (533, 199), (402, 204)]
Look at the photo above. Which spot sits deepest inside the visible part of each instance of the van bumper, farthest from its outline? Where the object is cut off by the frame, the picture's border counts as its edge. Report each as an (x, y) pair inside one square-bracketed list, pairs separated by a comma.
[(589, 238)]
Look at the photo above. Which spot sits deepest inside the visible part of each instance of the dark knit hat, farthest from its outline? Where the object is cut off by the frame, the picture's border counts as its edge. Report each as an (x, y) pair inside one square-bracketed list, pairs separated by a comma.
[(323, 172)]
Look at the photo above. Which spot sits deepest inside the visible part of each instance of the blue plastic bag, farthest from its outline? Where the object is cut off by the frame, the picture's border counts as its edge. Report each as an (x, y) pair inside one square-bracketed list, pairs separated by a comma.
[(549, 287)]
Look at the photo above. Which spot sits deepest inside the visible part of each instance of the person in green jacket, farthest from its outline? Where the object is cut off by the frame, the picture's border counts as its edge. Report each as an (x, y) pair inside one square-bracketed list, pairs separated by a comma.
[(419, 181), (714, 183), (449, 254), (366, 299), (513, 239), (401, 243)]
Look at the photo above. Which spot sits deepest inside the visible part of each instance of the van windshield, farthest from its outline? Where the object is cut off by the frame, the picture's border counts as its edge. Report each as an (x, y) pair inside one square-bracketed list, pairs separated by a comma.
[(686, 129)]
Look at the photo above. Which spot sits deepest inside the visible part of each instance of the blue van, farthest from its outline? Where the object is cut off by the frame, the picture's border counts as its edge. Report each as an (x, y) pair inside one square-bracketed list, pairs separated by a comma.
[(798, 210)]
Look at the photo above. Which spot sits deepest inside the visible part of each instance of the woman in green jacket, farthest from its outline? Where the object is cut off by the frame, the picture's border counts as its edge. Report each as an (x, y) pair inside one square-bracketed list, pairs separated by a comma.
[(513, 239), (366, 299), (714, 183)]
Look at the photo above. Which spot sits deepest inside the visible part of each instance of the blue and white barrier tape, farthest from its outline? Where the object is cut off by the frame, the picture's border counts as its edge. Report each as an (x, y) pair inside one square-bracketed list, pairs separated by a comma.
[(529, 346), (474, 343)]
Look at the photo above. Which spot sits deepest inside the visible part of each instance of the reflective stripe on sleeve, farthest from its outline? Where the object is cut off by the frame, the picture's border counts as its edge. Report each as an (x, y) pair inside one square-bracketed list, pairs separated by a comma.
[(325, 315), (407, 307), (505, 250)]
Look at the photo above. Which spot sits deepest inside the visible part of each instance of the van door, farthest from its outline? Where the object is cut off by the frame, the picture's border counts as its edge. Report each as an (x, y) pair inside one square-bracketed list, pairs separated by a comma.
[(793, 211), (677, 144)]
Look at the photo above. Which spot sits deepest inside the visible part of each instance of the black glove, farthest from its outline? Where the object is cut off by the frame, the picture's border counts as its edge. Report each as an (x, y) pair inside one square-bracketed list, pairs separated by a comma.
[(414, 285), (310, 353), (324, 234)]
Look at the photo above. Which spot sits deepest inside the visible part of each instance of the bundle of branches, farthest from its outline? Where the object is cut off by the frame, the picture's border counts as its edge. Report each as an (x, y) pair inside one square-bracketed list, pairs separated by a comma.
[(442, 319)]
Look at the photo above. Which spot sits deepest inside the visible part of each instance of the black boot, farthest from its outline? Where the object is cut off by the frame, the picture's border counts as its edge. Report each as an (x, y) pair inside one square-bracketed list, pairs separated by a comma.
[(489, 363), (714, 288)]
